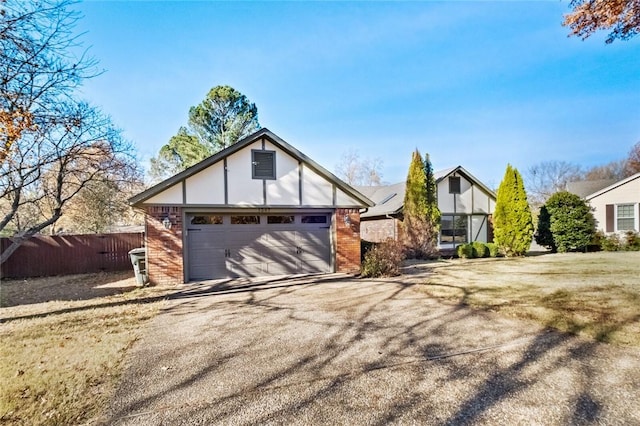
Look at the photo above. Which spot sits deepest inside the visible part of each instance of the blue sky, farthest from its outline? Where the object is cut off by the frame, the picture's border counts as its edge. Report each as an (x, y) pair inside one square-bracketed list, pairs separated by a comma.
[(478, 84)]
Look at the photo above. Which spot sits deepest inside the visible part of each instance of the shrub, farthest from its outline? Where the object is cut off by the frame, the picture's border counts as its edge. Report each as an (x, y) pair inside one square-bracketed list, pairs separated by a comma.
[(365, 246), (632, 241), (493, 249), (512, 222), (596, 241), (383, 260), (465, 251), (570, 223), (611, 243), (480, 249), (543, 235)]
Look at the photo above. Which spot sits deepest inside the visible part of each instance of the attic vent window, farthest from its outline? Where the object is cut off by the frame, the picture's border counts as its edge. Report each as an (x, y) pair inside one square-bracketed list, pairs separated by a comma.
[(263, 164), (454, 185)]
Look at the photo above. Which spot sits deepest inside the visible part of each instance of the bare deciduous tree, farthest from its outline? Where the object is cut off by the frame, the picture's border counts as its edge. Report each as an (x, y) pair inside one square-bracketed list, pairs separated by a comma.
[(356, 171), (53, 146), (548, 177), (615, 170), (633, 160)]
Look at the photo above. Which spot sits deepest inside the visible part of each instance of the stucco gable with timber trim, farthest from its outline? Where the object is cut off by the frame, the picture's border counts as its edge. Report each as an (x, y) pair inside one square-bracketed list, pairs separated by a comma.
[(224, 180)]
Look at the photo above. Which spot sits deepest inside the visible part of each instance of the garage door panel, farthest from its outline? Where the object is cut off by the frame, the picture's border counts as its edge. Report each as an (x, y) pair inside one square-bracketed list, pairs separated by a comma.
[(313, 266), (226, 250), (280, 238), (282, 268), (245, 269)]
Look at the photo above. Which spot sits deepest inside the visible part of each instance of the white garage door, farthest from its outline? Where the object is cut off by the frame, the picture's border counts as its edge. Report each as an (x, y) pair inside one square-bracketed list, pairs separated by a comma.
[(242, 245)]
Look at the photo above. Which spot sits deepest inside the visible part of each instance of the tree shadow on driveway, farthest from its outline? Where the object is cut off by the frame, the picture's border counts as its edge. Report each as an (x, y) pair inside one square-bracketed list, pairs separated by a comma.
[(333, 349)]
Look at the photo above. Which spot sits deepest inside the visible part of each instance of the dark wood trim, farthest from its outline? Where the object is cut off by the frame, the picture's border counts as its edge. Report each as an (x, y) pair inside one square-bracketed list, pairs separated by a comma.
[(300, 165), (226, 181)]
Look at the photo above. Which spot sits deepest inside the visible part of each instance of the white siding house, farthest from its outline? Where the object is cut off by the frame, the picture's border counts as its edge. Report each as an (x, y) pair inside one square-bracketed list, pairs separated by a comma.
[(616, 208)]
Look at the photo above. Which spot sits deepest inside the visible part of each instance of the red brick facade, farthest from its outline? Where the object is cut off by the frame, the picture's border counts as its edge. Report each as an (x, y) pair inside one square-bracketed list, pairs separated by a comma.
[(164, 246), (347, 240)]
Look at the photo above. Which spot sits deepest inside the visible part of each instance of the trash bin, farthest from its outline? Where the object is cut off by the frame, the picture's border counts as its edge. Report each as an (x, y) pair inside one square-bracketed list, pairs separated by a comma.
[(139, 261)]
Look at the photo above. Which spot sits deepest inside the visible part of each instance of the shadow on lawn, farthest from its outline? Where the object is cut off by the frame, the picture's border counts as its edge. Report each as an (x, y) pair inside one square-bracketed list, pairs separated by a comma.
[(339, 350), (65, 288)]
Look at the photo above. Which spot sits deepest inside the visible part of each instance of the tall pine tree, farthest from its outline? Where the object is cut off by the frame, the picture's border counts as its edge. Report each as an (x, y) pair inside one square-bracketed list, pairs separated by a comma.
[(512, 223), (433, 212), (419, 235)]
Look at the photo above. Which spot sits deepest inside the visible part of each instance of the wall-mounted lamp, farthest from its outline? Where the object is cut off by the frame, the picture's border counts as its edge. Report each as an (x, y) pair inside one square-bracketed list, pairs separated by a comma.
[(166, 222), (347, 219)]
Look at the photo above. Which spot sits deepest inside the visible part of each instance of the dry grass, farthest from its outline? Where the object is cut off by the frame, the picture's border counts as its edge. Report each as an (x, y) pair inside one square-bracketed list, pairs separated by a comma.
[(593, 294), (60, 359)]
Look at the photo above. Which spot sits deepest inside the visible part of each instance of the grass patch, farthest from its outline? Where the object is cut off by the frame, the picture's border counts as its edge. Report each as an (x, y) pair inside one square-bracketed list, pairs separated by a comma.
[(61, 359), (590, 294)]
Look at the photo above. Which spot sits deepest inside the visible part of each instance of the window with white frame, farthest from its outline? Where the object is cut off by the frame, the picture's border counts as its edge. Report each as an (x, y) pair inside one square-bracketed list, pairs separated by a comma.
[(625, 217)]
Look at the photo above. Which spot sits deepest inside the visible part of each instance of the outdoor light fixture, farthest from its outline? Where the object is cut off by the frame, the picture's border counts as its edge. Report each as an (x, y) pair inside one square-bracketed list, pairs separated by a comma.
[(347, 219), (166, 222)]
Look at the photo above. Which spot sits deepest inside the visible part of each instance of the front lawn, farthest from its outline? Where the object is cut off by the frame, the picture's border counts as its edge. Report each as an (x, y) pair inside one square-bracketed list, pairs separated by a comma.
[(590, 294), (60, 359)]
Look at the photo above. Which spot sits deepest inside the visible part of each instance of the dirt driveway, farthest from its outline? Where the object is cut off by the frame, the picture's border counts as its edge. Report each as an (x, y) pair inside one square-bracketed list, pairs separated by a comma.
[(337, 350)]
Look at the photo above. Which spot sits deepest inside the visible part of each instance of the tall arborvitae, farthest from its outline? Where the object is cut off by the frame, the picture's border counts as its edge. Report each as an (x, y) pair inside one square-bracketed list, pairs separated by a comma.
[(415, 195), (512, 223), (433, 212), (419, 236)]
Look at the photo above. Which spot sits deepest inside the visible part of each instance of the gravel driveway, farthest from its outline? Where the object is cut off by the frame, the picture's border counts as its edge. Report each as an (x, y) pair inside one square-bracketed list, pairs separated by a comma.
[(338, 350)]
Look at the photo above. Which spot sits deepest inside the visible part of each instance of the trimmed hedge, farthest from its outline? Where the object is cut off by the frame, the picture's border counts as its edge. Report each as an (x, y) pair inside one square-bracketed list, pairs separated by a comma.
[(477, 249)]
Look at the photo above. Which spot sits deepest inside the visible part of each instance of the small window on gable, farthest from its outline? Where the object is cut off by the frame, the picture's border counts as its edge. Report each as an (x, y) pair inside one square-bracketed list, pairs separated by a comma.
[(454, 185), (263, 164)]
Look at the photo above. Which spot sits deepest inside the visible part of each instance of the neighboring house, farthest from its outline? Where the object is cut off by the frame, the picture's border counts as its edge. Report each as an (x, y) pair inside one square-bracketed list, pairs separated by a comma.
[(466, 205), (582, 188), (616, 207), (259, 207)]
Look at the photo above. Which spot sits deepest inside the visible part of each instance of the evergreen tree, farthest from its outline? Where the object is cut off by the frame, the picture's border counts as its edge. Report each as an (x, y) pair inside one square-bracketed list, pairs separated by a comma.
[(543, 236), (433, 212), (223, 118), (419, 235), (571, 223), (513, 227)]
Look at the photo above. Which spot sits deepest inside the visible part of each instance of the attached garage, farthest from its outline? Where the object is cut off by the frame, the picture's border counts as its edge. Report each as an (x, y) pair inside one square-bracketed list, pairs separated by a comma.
[(258, 208)]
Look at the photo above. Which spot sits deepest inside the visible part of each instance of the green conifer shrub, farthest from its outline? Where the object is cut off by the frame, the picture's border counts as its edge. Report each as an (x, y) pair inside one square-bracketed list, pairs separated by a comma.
[(433, 212), (572, 224), (512, 222), (494, 250), (543, 235), (419, 234), (480, 249), (465, 251)]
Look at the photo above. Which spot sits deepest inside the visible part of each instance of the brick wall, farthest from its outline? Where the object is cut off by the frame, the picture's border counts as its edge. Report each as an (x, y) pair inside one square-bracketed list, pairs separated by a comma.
[(164, 246), (348, 241)]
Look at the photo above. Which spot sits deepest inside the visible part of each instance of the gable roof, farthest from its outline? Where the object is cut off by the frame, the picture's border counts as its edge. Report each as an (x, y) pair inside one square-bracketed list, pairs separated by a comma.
[(389, 199), (582, 188), (614, 186), (219, 156)]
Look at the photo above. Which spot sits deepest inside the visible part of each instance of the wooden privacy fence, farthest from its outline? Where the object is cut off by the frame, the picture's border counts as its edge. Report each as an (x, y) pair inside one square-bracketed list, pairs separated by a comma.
[(44, 255)]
